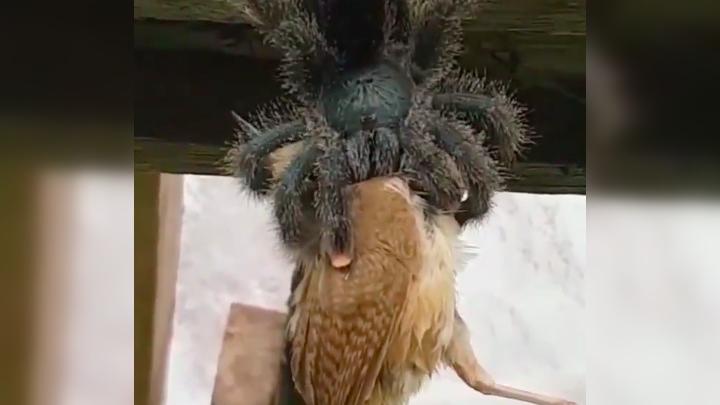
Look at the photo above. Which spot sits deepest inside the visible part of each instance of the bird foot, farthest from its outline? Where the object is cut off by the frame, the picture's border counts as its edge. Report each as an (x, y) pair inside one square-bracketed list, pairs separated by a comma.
[(461, 358)]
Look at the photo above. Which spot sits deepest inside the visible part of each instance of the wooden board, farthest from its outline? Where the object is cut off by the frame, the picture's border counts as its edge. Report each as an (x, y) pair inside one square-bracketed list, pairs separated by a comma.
[(545, 34), (158, 219), (20, 199), (250, 357), (180, 157)]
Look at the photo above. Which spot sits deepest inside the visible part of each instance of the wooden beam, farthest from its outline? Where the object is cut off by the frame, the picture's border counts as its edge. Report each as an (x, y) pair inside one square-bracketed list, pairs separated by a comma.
[(155, 155), (187, 97), (539, 15), (20, 199), (531, 36), (251, 356), (512, 53), (541, 34), (146, 225), (158, 218), (188, 10), (170, 207)]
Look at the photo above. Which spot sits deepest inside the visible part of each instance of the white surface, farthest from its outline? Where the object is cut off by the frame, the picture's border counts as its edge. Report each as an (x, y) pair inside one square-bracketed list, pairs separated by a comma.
[(97, 347), (654, 302), (522, 295)]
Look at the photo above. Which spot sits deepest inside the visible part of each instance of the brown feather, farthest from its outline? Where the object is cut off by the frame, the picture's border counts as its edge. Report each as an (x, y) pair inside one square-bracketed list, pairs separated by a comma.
[(347, 319)]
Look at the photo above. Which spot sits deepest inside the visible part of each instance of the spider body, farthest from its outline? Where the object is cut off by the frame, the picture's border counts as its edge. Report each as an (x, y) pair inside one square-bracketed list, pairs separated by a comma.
[(378, 96), (374, 90)]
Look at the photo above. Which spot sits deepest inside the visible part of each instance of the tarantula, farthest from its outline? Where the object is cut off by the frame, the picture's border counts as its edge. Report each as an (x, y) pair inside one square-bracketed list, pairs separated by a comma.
[(373, 89)]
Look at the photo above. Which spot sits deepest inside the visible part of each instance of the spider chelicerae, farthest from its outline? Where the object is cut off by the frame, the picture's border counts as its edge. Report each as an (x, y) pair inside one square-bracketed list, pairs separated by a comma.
[(373, 89)]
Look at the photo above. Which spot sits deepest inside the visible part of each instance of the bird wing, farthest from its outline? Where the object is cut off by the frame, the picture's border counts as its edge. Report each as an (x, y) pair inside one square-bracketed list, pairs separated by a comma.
[(346, 324)]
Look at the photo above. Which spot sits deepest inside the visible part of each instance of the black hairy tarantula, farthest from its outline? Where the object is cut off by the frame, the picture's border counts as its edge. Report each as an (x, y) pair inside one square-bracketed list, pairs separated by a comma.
[(374, 90)]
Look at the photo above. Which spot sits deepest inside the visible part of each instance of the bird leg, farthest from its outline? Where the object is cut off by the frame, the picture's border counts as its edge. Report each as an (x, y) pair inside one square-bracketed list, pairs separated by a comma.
[(459, 355)]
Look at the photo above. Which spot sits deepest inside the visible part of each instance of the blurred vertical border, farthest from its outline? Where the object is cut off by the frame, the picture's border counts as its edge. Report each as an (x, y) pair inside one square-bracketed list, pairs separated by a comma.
[(19, 203), (653, 213), (66, 103)]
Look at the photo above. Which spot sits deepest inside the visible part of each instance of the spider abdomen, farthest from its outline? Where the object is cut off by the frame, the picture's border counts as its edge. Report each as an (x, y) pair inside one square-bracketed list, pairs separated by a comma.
[(380, 93)]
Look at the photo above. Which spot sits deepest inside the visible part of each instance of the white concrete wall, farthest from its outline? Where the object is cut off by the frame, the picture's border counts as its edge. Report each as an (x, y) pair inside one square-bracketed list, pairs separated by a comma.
[(522, 294), (94, 342), (653, 301)]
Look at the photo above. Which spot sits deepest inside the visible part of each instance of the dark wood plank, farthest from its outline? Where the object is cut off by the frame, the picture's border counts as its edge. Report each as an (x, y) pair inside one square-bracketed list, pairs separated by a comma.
[(544, 35), (146, 225), (187, 97), (20, 199), (158, 218), (179, 157), (544, 15)]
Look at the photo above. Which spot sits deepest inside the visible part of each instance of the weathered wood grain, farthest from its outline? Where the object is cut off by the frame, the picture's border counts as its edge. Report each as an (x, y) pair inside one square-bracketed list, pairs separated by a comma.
[(559, 16), (249, 365), (179, 157), (543, 34)]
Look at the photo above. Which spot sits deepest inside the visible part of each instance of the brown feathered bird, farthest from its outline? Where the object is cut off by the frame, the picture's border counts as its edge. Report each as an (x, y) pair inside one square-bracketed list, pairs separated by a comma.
[(374, 332)]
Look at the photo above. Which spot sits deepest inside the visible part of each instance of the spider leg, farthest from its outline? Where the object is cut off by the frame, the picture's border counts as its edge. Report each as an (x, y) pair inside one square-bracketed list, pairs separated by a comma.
[(291, 198), (252, 165), (498, 114), (437, 28), (357, 149), (477, 167), (372, 153), (431, 171), (385, 152), (333, 174)]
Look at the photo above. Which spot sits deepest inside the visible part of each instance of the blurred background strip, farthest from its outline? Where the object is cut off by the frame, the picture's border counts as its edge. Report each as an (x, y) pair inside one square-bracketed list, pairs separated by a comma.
[(19, 213), (54, 239), (66, 287)]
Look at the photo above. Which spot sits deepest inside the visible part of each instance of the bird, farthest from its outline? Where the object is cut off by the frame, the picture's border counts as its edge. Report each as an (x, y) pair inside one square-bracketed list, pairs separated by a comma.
[(374, 332)]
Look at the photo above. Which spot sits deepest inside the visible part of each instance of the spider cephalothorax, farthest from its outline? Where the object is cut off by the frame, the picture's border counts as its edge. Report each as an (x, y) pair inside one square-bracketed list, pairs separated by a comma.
[(373, 90)]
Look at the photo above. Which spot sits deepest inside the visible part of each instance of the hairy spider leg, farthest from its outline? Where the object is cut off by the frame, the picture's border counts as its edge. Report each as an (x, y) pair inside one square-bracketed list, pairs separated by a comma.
[(357, 149), (437, 36), (290, 195), (430, 171), (498, 114), (384, 152), (477, 166), (253, 165), (331, 206)]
